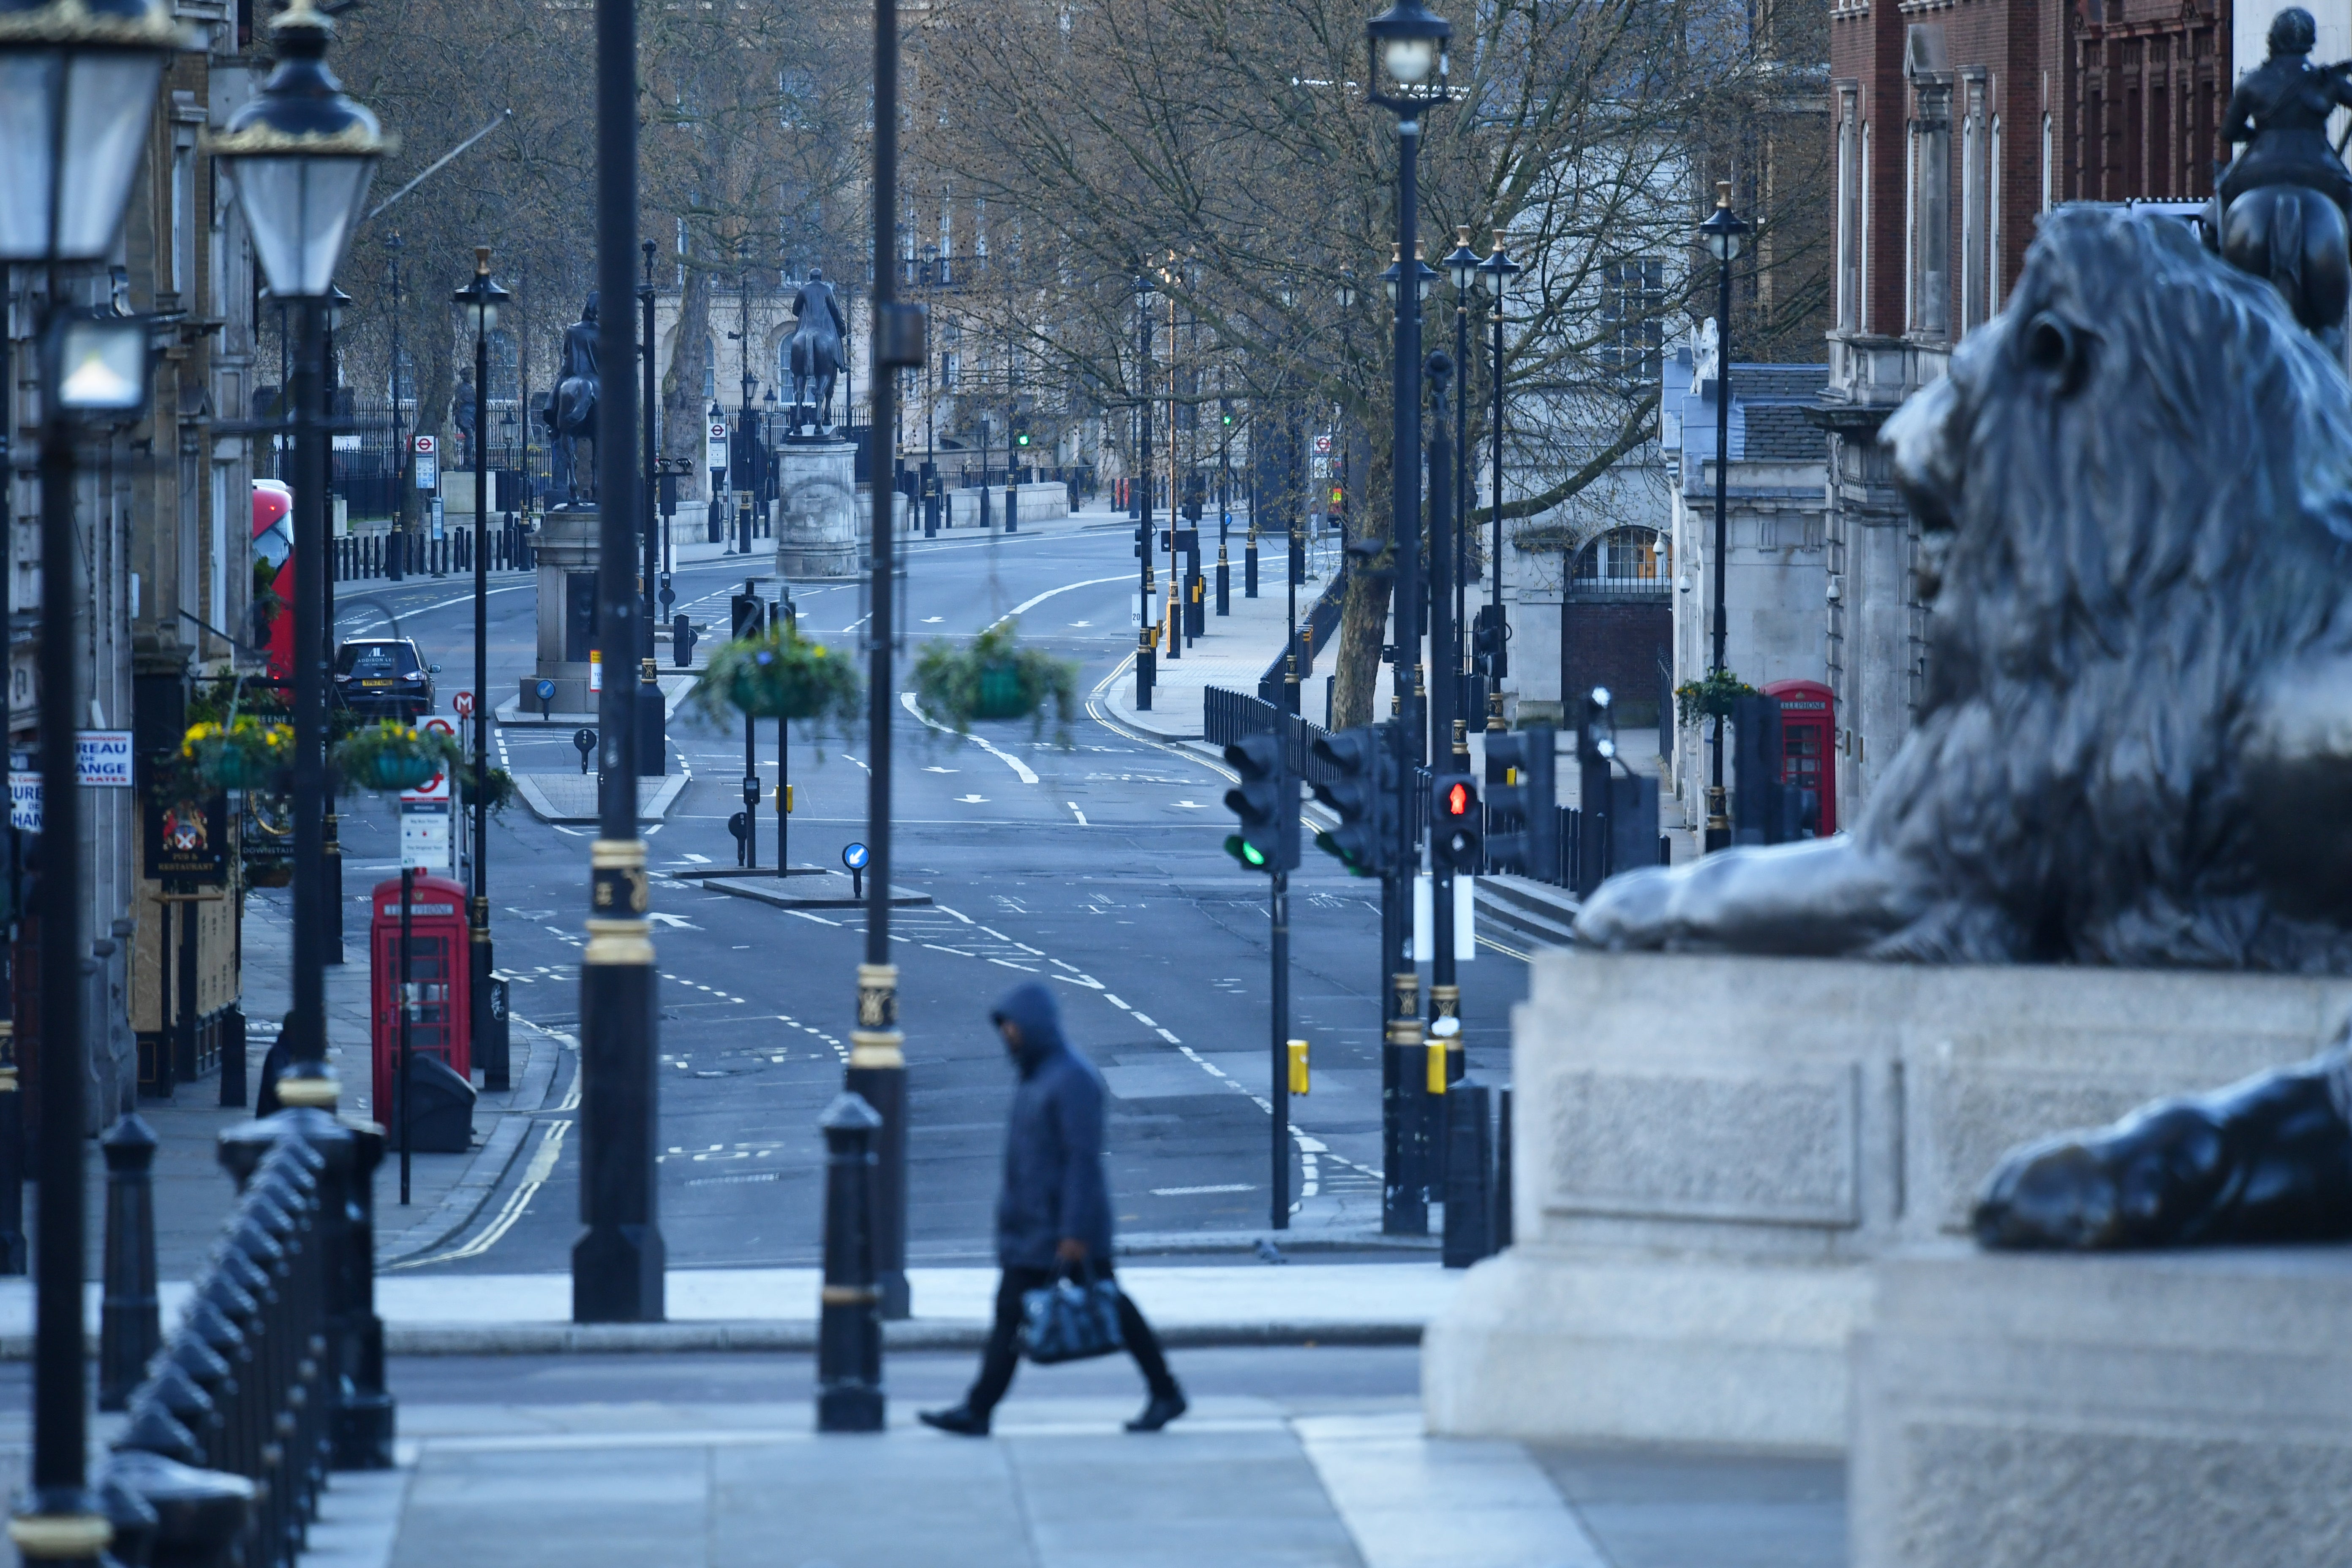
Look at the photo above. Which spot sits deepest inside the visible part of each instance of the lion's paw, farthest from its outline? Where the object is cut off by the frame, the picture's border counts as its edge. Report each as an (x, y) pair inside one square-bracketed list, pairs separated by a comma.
[(1629, 912)]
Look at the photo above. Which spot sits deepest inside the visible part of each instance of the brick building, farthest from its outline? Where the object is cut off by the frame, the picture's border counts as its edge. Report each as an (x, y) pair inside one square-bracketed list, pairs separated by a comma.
[(1957, 123)]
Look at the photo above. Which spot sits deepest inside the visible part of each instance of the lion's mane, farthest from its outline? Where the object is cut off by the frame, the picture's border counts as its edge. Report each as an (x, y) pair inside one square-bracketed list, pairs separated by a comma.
[(2146, 469)]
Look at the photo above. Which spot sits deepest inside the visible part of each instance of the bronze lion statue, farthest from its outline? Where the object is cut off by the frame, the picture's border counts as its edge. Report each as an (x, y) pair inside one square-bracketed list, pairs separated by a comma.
[(2135, 498)]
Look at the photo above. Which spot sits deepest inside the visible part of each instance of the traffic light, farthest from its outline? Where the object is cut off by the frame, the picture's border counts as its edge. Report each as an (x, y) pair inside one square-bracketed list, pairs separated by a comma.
[(1489, 634), (747, 614), (1362, 792), (1225, 412), (1455, 834), (1522, 804), (1266, 801)]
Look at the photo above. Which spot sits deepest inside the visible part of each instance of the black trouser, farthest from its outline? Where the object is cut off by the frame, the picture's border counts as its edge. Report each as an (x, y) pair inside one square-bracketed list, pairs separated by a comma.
[(1003, 1356)]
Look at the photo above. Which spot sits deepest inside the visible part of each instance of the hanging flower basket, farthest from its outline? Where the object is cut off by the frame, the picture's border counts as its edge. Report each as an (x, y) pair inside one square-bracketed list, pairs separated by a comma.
[(243, 753), (778, 674), (392, 756), (1711, 698), (993, 678)]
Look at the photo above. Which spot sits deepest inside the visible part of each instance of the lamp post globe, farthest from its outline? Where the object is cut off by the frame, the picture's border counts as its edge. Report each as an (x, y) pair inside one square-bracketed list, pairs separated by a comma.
[(1462, 262), (79, 80), (302, 155), (1407, 46)]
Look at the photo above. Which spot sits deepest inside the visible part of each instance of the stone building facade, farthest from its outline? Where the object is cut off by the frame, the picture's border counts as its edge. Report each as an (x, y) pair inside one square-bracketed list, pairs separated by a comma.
[(1958, 122), (1775, 573)]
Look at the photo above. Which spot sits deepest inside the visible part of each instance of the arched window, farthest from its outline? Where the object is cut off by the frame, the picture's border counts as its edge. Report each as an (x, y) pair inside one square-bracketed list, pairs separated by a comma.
[(1622, 561)]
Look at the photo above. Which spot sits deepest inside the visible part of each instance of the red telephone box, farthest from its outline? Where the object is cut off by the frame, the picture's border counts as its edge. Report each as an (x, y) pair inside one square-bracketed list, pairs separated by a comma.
[(438, 968), (1808, 733)]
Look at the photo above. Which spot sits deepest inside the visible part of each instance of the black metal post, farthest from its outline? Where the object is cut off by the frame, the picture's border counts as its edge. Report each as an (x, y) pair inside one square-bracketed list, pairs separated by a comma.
[(1279, 1092), (1469, 1174), (878, 1061), (1225, 498), (849, 1321), (130, 1325), (618, 1262), (652, 531), (1147, 646), (60, 1507), (1719, 823), (1502, 633), (1445, 992), (403, 1101), (1457, 665), (1405, 432), (484, 1031), (11, 1099)]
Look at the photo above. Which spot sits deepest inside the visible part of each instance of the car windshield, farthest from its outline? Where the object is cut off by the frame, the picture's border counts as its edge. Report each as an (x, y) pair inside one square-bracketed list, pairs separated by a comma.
[(377, 659)]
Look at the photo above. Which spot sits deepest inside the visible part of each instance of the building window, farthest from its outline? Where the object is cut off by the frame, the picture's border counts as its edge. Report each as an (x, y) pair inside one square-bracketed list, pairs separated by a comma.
[(1622, 561), (951, 370), (1973, 278), (1633, 302), (1993, 215), (1849, 213), (710, 370)]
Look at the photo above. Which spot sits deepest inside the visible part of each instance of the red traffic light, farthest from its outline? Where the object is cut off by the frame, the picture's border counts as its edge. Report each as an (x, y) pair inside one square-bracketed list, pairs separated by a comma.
[(1457, 800)]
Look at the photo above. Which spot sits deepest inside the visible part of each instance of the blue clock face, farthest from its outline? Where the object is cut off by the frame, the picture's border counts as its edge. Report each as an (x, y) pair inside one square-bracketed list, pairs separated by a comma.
[(855, 857)]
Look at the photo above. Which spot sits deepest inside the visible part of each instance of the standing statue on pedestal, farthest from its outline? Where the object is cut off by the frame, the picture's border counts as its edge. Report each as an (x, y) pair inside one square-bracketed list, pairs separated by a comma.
[(2286, 202), (571, 414), (815, 353)]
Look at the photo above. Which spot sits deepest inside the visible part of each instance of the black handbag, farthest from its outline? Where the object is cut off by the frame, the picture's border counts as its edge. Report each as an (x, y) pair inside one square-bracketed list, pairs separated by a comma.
[(1074, 1318)]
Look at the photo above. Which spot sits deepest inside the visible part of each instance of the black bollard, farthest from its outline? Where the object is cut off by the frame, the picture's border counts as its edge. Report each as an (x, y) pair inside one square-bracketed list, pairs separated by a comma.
[(1503, 1169), (198, 1516), (131, 1518), (1469, 1174), (129, 1330), (849, 1323)]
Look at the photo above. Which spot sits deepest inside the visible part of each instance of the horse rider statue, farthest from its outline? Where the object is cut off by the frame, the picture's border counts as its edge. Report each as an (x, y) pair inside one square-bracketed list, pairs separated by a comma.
[(571, 416), (2286, 202), (815, 350)]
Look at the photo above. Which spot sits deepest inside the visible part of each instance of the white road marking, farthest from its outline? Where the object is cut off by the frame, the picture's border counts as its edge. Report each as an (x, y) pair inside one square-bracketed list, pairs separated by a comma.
[(1077, 813), (1021, 769)]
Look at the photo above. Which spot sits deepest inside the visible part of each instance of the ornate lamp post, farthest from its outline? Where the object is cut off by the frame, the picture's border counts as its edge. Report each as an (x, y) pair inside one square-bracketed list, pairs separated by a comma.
[(1499, 269), (301, 155), (80, 81), (1723, 232), (1408, 67), (1147, 647), (331, 863), (481, 301)]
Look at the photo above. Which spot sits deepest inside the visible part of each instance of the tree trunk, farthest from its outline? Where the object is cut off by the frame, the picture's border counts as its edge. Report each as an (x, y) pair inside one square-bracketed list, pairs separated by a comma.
[(684, 413), (1364, 619)]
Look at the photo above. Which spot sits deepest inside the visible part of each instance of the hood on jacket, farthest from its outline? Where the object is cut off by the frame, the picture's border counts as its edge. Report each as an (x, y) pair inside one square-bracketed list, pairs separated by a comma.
[(1032, 1009)]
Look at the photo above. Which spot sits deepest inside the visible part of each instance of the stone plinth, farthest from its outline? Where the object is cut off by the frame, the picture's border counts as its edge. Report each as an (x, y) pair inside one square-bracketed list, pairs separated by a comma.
[(1711, 1152), (567, 555), (817, 532), (2161, 1410)]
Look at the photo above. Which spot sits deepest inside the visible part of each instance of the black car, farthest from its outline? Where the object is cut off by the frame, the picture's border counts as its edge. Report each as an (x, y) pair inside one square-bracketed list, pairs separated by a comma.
[(383, 678)]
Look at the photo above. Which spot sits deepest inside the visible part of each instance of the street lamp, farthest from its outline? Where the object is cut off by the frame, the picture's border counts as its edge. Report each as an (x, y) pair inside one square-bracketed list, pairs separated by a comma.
[(301, 155), (1147, 647), (478, 302), (78, 80), (330, 864), (1722, 231), (1499, 269), (1405, 49)]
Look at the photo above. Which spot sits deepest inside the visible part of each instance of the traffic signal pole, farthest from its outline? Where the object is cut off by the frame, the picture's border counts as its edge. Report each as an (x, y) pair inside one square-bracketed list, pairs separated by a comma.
[(1280, 1056), (1445, 689)]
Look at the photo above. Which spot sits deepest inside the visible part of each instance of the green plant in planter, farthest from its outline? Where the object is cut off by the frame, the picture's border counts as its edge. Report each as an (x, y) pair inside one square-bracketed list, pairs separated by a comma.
[(497, 789), (1710, 699), (389, 756), (779, 674), (993, 678), (242, 753)]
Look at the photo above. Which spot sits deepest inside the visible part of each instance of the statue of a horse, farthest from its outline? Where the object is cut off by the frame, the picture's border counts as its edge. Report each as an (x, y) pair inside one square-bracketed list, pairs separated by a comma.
[(2282, 206), (572, 413), (814, 352)]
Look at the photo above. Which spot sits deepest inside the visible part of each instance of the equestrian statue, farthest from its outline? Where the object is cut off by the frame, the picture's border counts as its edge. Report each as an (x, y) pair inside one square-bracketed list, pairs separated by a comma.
[(571, 414), (2285, 203), (814, 352)]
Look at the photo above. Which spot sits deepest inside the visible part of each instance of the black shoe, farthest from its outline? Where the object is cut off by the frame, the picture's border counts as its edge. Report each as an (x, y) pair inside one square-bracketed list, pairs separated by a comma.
[(1163, 1408), (959, 1420)]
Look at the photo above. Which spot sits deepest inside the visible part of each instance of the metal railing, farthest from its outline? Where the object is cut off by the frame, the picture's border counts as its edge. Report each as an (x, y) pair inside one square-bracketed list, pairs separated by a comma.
[(274, 1375), (1227, 716), (1314, 632)]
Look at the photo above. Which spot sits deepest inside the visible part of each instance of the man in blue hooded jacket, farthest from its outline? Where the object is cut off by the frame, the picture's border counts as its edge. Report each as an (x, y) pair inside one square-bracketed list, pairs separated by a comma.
[(1054, 1213)]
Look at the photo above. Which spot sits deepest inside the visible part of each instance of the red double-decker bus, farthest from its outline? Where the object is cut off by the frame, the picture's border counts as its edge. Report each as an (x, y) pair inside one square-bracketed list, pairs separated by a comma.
[(273, 575)]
